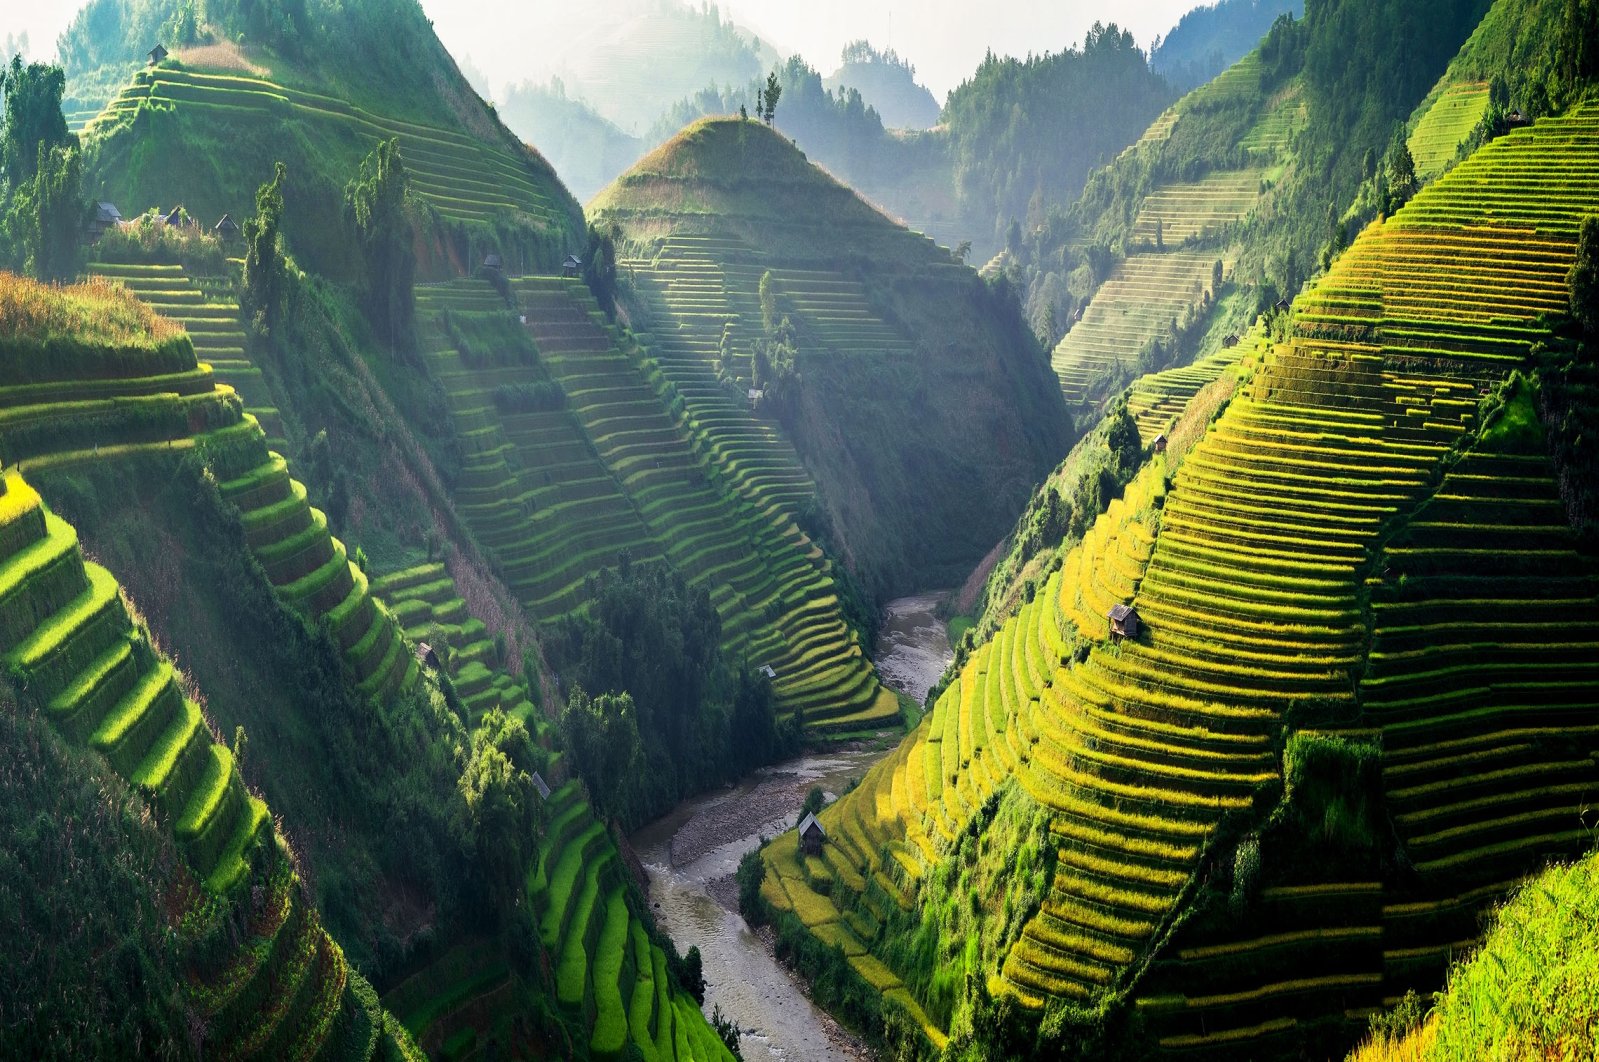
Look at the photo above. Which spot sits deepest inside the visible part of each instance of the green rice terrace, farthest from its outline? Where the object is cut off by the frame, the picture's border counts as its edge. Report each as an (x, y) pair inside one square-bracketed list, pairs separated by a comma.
[(74, 656), (71, 648), (598, 467), (1182, 241), (1319, 636), (732, 242)]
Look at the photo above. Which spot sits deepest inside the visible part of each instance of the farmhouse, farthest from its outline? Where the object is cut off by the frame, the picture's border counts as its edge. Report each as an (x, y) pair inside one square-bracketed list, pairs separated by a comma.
[(572, 266), (1124, 621), (227, 228), (811, 835), (493, 261), (106, 215), (1159, 445), (426, 656), (157, 54)]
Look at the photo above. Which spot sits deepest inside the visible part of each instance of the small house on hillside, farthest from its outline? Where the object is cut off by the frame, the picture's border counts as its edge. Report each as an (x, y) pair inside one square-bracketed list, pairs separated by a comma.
[(811, 835), (494, 262), (226, 229), (1282, 305), (106, 216), (1159, 445), (572, 266), (767, 670), (1077, 316), (426, 656), (1516, 120), (173, 217), (1229, 341), (157, 54), (541, 786), (756, 394), (1124, 621)]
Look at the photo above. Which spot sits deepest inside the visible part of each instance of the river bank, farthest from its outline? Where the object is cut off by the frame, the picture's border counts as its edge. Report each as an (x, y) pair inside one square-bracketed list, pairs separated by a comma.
[(691, 855)]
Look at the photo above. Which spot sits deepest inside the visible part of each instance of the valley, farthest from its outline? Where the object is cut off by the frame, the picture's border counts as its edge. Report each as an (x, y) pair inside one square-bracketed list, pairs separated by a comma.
[(466, 560)]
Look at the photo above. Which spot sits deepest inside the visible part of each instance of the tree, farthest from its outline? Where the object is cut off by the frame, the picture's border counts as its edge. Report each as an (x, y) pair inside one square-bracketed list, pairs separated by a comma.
[(265, 266), (33, 118), (769, 98), (377, 203), (599, 265), (496, 790), (1583, 280), (1400, 168), (48, 214), (603, 736)]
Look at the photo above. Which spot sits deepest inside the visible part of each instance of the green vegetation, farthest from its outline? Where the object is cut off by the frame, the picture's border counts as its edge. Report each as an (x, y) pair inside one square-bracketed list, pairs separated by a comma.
[(693, 719), (887, 83), (1527, 992), (1210, 38), (904, 359), (1216, 787)]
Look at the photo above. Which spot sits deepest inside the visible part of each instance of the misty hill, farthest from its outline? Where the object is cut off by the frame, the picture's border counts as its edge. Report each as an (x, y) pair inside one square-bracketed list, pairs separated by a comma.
[(586, 149), (653, 51), (1209, 39), (888, 84), (902, 380)]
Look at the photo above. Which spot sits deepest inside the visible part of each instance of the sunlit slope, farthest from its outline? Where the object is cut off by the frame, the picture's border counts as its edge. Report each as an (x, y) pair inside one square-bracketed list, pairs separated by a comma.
[(1270, 614), (72, 652)]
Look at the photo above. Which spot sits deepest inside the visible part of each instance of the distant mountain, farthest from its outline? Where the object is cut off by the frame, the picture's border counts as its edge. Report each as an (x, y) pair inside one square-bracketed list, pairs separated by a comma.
[(888, 84), (1210, 39), (586, 150), (630, 67)]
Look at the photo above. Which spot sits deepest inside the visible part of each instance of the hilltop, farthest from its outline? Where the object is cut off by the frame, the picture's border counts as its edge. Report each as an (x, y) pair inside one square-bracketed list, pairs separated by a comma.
[(201, 130), (910, 389), (888, 84)]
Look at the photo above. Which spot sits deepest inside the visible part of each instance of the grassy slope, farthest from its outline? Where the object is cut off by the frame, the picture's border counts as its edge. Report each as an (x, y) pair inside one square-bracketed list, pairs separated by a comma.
[(1146, 752), (1529, 991), (923, 419), (300, 997), (207, 135)]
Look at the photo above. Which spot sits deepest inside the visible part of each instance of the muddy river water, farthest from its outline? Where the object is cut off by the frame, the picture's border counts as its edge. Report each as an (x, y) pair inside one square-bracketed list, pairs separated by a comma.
[(691, 855)]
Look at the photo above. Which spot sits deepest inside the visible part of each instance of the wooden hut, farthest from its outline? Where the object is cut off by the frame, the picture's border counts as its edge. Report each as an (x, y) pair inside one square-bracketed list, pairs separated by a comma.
[(174, 217), (1229, 341), (572, 266), (493, 262), (1124, 621), (1159, 444), (227, 229), (811, 835), (157, 54), (426, 656), (106, 216)]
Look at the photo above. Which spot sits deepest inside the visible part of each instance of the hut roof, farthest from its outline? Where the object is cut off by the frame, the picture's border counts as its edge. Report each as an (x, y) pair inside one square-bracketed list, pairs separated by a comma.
[(1119, 613), (157, 54), (492, 261), (573, 262), (174, 216), (227, 226), (807, 822), (107, 213)]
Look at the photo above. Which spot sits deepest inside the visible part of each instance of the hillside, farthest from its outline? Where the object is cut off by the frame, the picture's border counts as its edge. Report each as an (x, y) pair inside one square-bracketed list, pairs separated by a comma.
[(1212, 37), (226, 924), (294, 648), (909, 389), (1221, 208), (1527, 991), (888, 85), (220, 105), (1285, 800), (584, 148)]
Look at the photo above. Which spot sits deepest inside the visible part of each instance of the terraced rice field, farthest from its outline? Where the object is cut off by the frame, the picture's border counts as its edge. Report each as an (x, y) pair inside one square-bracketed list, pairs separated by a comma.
[(210, 314), (606, 963), (1205, 207), (556, 495), (1142, 300), (771, 585), (424, 600), (1253, 599), (459, 176), (1439, 133), (71, 649), (1159, 399)]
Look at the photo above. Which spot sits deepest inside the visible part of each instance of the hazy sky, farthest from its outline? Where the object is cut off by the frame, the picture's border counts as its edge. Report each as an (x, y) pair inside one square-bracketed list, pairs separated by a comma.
[(516, 39)]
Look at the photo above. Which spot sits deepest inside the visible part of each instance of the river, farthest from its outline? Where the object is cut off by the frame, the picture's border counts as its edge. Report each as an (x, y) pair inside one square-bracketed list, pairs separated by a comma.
[(691, 854)]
